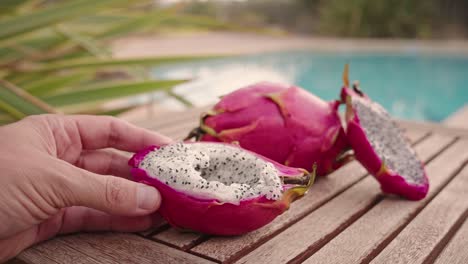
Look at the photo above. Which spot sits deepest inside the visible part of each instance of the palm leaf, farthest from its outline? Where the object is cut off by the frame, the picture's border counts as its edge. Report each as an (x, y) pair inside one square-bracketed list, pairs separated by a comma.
[(105, 111), (83, 41), (109, 91), (10, 109), (10, 6), (195, 21), (6, 117), (17, 103), (28, 22), (115, 112), (51, 84), (179, 98), (132, 25), (100, 63)]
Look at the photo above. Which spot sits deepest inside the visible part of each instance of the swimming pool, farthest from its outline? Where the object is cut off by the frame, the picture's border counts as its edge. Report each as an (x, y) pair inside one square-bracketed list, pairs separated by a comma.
[(410, 85)]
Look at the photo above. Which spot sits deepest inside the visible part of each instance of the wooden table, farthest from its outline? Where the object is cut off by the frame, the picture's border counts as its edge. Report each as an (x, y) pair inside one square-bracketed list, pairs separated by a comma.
[(343, 219)]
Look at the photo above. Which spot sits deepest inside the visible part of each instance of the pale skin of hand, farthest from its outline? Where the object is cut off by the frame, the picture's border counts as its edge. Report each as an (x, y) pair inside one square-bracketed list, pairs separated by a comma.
[(58, 176)]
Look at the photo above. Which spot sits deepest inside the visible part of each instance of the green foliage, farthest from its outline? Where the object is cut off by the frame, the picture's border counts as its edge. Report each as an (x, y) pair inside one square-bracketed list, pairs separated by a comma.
[(107, 91), (53, 54), (368, 18), (15, 105)]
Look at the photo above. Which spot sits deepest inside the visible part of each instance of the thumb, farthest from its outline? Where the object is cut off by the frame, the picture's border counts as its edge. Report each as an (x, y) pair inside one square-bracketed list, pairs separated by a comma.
[(109, 194)]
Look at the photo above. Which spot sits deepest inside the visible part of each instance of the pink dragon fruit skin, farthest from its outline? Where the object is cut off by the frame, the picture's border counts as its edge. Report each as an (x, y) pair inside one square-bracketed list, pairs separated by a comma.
[(284, 123), (213, 217), (390, 181)]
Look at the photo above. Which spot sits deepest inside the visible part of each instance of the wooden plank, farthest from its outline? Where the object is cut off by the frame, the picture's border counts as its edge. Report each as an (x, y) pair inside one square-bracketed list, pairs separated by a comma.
[(434, 127), (18, 261), (366, 237), (180, 124), (426, 235), (149, 231), (185, 241), (179, 131), (459, 119), (318, 227), (225, 248), (325, 189), (161, 120), (193, 115), (31, 255), (128, 248), (456, 252), (161, 225), (323, 224), (57, 252), (90, 245), (182, 240), (416, 135)]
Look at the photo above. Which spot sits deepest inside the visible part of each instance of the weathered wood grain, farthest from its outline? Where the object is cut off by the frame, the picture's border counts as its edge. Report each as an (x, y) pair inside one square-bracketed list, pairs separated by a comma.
[(89, 244), (182, 240), (423, 238), (415, 135), (455, 251), (126, 248), (225, 248), (318, 227), (366, 237), (179, 131), (324, 189), (171, 119), (55, 251), (323, 224), (160, 120), (160, 225), (434, 127)]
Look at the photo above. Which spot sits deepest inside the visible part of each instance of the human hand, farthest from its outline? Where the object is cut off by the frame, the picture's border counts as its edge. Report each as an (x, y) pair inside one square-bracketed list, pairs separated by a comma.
[(55, 178)]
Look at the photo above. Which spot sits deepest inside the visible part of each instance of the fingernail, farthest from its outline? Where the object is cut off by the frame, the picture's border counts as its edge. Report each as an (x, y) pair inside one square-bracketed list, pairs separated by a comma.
[(148, 197)]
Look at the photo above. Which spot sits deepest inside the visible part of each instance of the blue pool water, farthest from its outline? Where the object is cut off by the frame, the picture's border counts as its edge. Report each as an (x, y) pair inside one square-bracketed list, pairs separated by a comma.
[(409, 85)]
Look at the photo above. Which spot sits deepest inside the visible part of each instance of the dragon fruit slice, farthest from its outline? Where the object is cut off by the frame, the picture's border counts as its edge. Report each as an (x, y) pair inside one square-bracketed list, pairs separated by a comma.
[(216, 188), (284, 123), (380, 145)]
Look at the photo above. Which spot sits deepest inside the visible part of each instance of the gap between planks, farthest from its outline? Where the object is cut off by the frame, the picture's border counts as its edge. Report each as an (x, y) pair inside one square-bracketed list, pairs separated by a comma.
[(106, 248), (319, 227), (422, 240), (455, 251), (325, 189), (185, 241), (371, 233)]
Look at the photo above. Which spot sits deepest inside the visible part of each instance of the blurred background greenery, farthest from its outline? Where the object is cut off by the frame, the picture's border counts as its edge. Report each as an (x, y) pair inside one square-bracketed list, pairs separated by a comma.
[(54, 55), (345, 18)]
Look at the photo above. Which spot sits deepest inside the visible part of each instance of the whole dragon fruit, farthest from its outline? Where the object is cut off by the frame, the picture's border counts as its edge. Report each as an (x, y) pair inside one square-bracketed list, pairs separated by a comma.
[(284, 123), (216, 188), (380, 145)]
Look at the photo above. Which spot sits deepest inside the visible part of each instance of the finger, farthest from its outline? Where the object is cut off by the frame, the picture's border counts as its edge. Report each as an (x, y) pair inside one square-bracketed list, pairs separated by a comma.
[(110, 194), (108, 132), (71, 220), (12, 246), (105, 162), (78, 218)]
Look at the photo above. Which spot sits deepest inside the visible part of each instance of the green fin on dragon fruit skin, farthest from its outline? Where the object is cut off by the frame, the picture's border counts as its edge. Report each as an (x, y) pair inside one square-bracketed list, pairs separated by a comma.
[(381, 146), (284, 123), (187, 210)]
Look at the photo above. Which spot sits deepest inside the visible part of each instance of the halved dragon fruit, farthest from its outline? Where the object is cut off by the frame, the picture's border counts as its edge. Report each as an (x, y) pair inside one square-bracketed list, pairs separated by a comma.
[(284, 123), (216, 188), (380, 145)]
